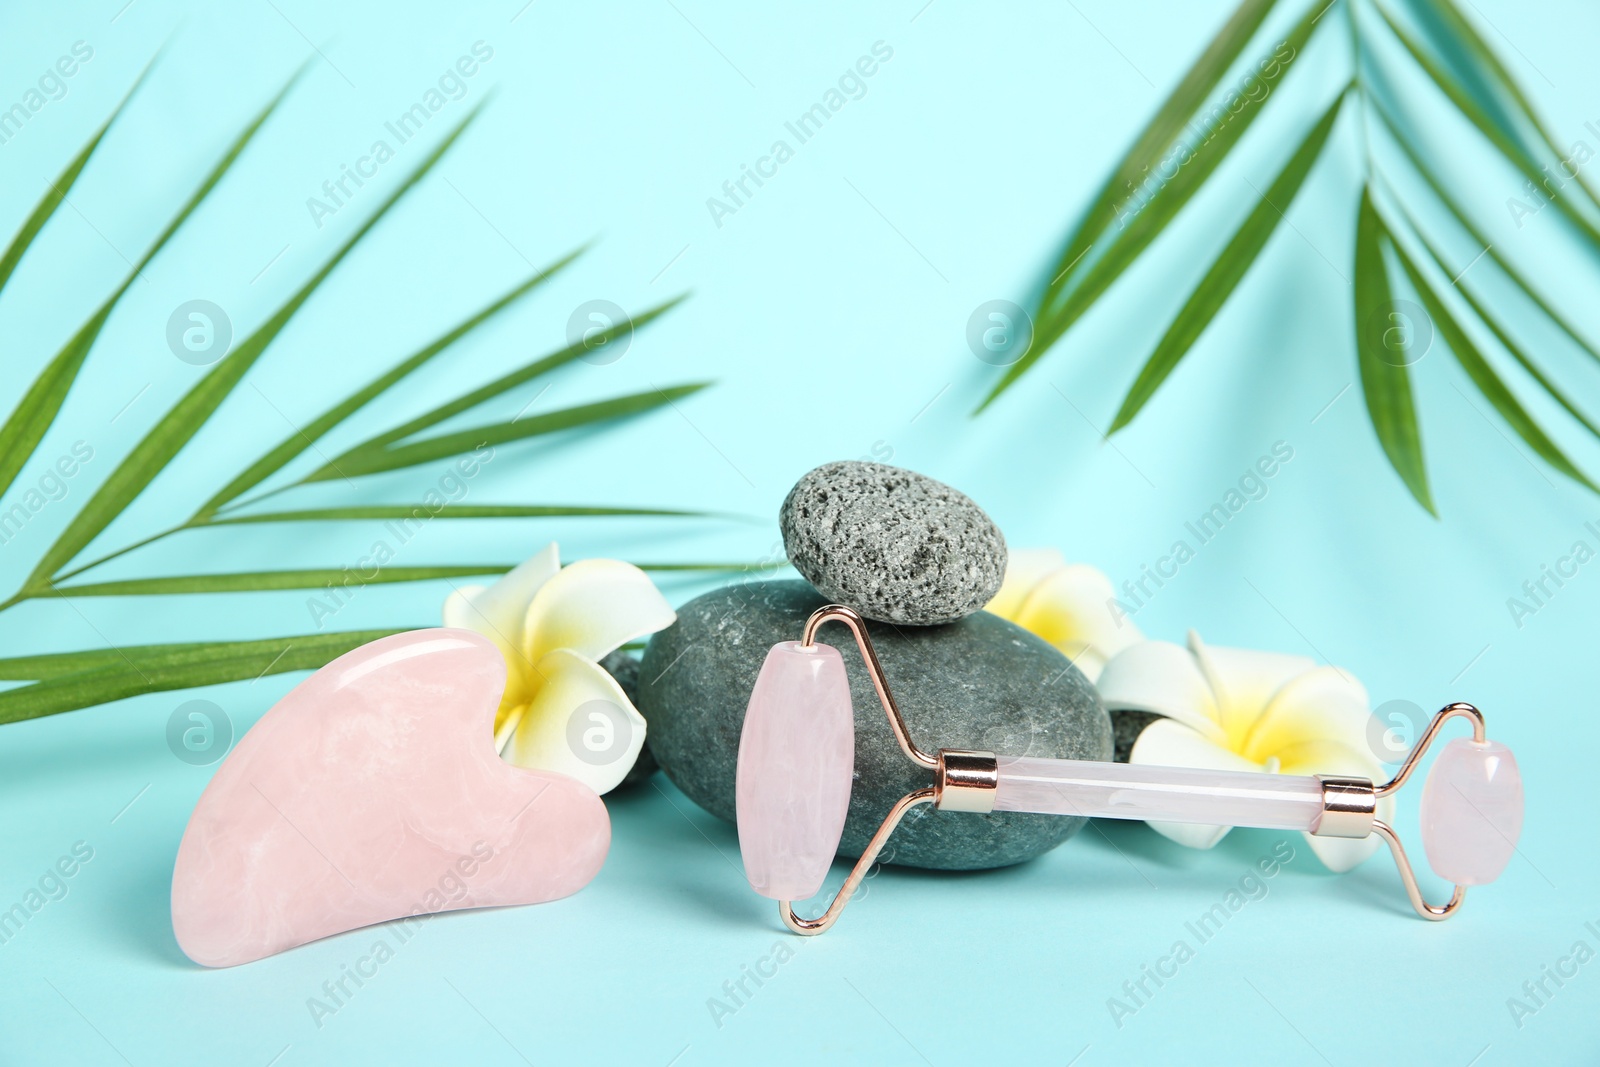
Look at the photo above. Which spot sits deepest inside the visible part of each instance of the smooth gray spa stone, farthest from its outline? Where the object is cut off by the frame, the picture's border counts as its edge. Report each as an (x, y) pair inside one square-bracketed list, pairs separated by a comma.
[(895, 545), (979, 683)]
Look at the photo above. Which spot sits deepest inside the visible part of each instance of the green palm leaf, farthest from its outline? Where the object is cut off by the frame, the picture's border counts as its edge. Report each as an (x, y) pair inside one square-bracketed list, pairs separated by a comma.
[(64, 681), (1160, 133), (299, 441), (1385, 376), (370, 461), (160, 668), (405, 512), (1472, 42), (1431, 178), (1475, 82), (260, 581), (46, 665), (326, 577), (185, 418), (1095, 275), (356, 455), (38, 408), (1228, 269), (1514, 152), (57, 191), (1483, 376), (1501, 334)]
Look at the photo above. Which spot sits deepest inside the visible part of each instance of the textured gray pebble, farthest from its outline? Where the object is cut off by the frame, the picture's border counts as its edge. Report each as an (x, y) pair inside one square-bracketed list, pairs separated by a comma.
[(895, 545), (978, 683)]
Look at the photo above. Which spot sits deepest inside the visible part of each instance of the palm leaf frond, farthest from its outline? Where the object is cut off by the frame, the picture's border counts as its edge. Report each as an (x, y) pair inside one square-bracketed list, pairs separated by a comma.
[(39, 406), (408, 512), (1093, 275), (397, 457), (1514, 151), (184, 419), (1160, 134), (355, 457), (261, 581), (1483, 376), (1452, 55), (306, 436), (1228, 269), (1467, 38), (81, 680), (1436, 186), (1494, 326), (1383, 357)]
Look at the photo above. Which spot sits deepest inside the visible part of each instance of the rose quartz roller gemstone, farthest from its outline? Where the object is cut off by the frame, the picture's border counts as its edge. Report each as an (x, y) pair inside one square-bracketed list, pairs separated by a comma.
[(796, 759), (1472, 811), (372, 791)]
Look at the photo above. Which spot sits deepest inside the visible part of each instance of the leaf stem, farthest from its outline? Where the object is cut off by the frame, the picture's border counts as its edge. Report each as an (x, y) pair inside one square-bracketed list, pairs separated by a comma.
[(235, 505), (152, 539), (1357, 80)]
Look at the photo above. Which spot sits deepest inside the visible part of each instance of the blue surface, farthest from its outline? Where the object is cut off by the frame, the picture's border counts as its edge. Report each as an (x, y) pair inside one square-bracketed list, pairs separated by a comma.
[(831, 309)]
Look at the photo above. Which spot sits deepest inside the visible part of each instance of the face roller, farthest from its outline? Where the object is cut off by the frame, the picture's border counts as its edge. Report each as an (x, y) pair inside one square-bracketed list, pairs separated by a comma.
[(797, 753)]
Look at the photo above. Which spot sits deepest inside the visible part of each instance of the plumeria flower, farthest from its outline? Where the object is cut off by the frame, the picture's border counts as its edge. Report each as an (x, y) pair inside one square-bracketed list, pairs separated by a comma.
[(1239, 710), (561, 710), (1069, 605)]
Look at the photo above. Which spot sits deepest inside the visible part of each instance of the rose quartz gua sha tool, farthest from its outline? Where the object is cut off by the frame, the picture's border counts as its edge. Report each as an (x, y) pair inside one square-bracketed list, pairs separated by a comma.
[(796, 759), (372, 791)]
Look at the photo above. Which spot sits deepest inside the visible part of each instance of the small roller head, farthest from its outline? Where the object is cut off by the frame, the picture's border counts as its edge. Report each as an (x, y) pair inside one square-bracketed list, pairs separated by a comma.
[(1472, 811)]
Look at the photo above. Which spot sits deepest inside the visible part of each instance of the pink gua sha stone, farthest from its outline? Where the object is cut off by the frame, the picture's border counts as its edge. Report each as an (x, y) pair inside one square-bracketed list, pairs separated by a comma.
[(373, 791), (1472, 811), (796, 759)]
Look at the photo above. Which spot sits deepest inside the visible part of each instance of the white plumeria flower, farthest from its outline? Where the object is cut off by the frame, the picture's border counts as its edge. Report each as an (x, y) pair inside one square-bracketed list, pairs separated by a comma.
[(1069, 605), (562, 711), (1240, 710)]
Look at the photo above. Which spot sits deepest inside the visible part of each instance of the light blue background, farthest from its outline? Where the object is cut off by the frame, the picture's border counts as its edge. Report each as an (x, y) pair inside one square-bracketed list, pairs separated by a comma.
[(831, 311)]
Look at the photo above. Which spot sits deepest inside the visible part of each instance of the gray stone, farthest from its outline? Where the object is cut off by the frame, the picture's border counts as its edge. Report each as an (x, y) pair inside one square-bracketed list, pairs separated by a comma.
[(624, 667), (891, 543), (978, 683)]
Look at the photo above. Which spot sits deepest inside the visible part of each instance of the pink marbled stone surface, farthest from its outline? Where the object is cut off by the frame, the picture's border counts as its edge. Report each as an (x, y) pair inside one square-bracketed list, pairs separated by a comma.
[(370, 792), (796, 758), (1472, 811)]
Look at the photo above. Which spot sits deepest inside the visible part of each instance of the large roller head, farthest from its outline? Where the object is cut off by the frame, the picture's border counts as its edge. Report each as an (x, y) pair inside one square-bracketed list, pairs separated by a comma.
[(796, 759)]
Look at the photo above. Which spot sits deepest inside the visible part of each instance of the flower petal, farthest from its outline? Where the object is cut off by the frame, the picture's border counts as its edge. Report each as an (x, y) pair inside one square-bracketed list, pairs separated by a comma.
[(1322, 756), (1025, 569), (1165, 743), (580, 723), (592, 607), (1339, 854), (1161, 677), (1322, 704), (1070, 608), (498, 611), (1244, 681)]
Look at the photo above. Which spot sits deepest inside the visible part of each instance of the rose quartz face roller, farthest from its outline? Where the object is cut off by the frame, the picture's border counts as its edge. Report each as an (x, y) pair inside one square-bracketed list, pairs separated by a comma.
[(797, 752)]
